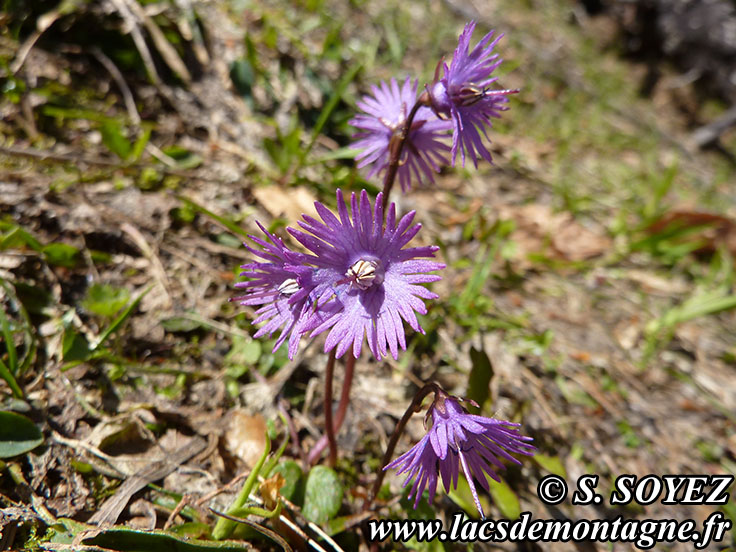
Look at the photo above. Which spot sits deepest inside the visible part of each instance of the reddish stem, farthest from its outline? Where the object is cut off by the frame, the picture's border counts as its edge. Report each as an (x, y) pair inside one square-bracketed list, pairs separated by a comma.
[(415, 406), (396, 147), (342, 408), (329, 429)]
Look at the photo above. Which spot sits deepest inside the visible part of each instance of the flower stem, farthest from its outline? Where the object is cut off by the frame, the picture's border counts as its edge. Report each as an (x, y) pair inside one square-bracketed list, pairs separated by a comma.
[(342, 408), (329, 428), (396, 147), (415, 406)]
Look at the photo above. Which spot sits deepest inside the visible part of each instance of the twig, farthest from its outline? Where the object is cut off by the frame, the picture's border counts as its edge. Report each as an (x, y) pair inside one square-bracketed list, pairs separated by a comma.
[(258, 527), (113, 506), (156, 267), (229, 485), (166, 50), (75, 444), (313, 526), (186, 500), (156, 152), (42, 24), (709, 134), (138, 38), (117, 76)]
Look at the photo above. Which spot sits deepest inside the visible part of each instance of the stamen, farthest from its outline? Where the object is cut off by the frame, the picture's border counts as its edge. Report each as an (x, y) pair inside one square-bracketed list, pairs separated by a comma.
[(363, 274), (288, 287), (470, 94), (471, 484)]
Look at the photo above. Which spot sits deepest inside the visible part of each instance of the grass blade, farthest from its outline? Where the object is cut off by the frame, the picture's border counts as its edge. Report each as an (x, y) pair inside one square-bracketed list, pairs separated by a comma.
[(9, 343), (234, 228), (10, 380), (120, 319)]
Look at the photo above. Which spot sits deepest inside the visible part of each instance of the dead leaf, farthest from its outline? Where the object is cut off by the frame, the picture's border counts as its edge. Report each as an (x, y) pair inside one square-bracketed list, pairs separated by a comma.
[(246, 436), (716, 230), (270, 488), (539, 229), (289, 203), (627, 332)]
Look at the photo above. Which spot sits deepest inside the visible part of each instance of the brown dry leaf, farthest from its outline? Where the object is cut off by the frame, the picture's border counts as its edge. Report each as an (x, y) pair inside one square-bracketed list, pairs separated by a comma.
[(577, 243), (538, 227), (716, 230), (654, 284), (289, 204), (627, 332), (246, 436), (270, 488)]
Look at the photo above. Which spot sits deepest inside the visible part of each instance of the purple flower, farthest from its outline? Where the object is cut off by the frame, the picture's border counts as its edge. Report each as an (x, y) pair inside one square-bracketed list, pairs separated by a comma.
[(455, 439), (462, 94), (380, 129), (365, 281), (282, 286)]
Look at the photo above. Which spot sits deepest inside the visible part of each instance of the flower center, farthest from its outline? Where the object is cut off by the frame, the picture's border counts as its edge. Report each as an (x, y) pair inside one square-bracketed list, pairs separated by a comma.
[(288, 287), (363, 274), (468, 94)]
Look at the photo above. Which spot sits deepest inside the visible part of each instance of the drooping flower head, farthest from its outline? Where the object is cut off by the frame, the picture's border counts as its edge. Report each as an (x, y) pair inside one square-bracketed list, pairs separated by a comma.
[(380, 129), (281, 286), (366, 281), (458, 439), (463, 94)]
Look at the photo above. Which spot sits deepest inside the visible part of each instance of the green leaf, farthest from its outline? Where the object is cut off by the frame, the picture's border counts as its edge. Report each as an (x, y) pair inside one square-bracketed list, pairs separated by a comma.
[(480, 377), (574, 394), (552, 464), (9, 342), (105, 300), (243, 76), (140, 144), (463, 497), (505, 499), (17, 362), (115, 140), (293, 489), (14, 236), (61, 254), (224, 527), (181, 324), (192, 529), (6, 374), (243, 352), (133, 540), (74, 347), (702, 304), (322, 495), (184, 158), (18, 435), (120, 319)]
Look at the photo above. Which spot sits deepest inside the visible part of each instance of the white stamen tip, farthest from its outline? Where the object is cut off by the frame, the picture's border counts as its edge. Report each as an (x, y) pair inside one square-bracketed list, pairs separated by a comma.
[(288, 287), (363, 274)]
